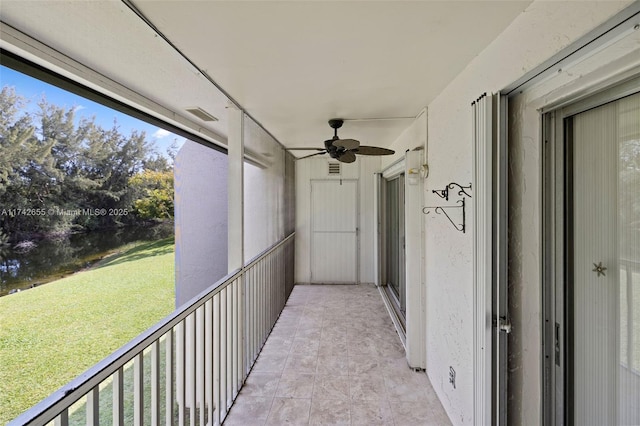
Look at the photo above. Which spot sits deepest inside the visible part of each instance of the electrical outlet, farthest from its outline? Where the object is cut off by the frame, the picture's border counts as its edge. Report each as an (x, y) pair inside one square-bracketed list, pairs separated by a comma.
[(452, 376)]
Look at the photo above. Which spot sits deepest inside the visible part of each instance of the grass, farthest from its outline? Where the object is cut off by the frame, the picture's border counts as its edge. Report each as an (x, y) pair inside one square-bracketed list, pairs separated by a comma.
[(51, 334), (77, 415)]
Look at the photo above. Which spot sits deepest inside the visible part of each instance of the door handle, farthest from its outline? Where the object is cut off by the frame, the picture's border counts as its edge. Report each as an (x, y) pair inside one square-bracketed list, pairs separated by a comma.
[(504, 324), (557, 346)]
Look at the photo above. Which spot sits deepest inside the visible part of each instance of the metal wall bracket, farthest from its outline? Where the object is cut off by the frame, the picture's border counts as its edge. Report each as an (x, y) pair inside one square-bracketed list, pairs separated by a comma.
[(444, 193)]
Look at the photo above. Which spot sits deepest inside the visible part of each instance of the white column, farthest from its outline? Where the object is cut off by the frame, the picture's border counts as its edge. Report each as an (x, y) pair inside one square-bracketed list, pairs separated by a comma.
[(415, 314), (235, 188), (236, 241)]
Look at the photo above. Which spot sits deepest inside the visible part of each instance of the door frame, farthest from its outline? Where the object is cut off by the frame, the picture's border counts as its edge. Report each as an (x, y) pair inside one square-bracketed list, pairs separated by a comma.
[(413, 333), (391, 172), (557, 248), (396, 300), (492, 323)]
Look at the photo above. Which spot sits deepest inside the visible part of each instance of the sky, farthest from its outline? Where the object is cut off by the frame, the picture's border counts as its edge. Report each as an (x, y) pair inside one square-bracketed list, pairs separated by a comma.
[(33, 91)]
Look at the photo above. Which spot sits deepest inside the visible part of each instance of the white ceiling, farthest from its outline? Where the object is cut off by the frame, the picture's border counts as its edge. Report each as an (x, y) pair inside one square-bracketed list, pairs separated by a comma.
[(291, 65)]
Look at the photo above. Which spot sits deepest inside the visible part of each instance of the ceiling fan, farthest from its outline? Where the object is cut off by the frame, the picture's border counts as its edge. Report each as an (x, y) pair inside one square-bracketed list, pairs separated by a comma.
[(344, 150)]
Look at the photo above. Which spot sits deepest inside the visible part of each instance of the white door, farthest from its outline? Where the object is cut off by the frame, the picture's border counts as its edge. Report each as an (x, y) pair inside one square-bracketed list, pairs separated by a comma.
[(334, 231), (604, 278)]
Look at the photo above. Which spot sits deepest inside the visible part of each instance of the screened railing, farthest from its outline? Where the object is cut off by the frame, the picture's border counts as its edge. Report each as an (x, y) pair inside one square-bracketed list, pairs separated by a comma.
[(187, 369)]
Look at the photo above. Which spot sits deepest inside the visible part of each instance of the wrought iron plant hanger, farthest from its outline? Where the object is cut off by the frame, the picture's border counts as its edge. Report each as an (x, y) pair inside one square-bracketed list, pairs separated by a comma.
[(444, 193)]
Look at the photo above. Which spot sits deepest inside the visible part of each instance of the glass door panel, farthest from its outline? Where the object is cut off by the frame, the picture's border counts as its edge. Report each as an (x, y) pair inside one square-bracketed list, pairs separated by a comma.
[(395, 259), (604, 278)]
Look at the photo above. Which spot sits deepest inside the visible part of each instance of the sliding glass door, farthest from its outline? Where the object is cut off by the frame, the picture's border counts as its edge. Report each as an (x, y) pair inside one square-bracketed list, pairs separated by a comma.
[(596, 338), (394, 236)]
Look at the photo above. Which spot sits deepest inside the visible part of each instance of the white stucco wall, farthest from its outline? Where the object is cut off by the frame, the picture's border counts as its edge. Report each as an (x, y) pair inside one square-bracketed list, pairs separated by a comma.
[(538, 33), (200, 219), (264, 191), (263, 208), (414, 136)]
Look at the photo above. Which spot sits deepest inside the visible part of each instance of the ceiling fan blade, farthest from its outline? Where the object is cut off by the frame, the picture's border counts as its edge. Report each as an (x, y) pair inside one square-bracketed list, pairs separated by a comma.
[(347, 157), (312, 155), (346, 143), (373, 150), (305, 149)]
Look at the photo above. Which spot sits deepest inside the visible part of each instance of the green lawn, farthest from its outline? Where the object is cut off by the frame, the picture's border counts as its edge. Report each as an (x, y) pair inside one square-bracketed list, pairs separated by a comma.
[(51, 334)]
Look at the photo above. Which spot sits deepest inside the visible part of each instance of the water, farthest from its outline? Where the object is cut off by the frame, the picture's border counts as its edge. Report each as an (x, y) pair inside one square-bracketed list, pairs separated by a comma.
[(52, 260)]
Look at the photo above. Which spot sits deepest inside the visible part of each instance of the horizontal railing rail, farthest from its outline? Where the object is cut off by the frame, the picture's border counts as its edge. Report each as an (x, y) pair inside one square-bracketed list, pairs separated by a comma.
[(207, 346)]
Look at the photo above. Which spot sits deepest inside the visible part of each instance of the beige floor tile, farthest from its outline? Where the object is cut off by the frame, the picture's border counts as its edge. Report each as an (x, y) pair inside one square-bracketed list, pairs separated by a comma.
[(362, 348), (371, 413), (367, 387), (301, 363), (335, 348), (283, 331), (389, 349), (277, 346), (411, 414), (309, 331), (334, 357), (333, 333), (407, 388), (305, 346), (332, 364), (289, 411), (249, 410), (336, 319), (314, 310), (295, 385), (373, 365), (289, 320), (261, 384), (394, 366), (331, 387), (330, 412), (270, 363)]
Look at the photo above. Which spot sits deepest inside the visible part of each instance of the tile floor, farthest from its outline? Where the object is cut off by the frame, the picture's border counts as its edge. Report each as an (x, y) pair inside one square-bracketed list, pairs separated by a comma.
[(334, 358)]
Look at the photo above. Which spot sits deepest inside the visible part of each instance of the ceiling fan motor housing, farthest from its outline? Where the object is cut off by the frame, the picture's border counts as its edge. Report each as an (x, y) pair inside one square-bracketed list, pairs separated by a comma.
[(333, 150)]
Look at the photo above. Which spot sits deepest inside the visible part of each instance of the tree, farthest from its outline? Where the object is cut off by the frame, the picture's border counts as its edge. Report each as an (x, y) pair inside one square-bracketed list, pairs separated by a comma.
[(15, 134), (53, 162), (154, 193), (157, 163), (24, 158), (111, 160)]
